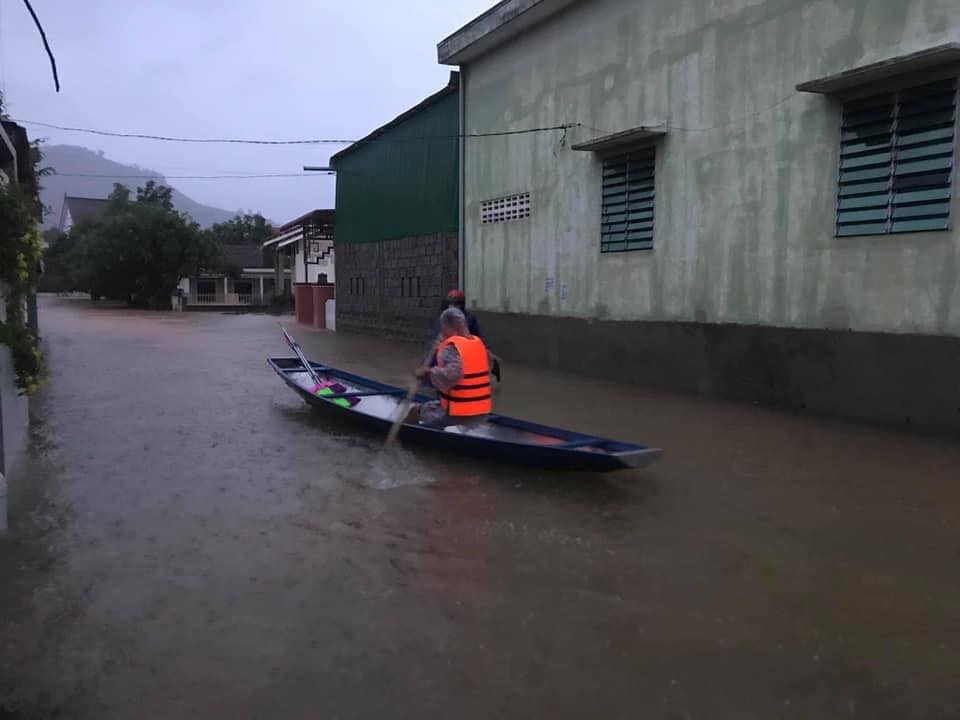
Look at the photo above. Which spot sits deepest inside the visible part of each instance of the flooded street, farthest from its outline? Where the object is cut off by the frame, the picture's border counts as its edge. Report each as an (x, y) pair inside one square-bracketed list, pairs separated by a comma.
[(191, 541)]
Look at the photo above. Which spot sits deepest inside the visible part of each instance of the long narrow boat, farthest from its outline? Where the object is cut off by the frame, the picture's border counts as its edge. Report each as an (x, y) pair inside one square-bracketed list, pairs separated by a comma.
[(505, 439)]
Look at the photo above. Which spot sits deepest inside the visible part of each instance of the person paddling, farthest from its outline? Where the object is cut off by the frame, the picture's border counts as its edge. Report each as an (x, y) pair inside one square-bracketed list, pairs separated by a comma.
[(461, 375), (457, 299)]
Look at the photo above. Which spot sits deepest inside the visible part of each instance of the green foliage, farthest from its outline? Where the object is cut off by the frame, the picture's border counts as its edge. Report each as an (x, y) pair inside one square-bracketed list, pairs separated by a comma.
[(20, 254), (21, 250), (138, 250), (242, 230), (156, 194), (19, 239), (27, 359), (60, 270)]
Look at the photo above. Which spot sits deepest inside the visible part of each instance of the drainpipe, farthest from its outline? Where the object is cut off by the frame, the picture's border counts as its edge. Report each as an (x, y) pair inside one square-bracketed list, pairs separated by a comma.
[(461, 234)]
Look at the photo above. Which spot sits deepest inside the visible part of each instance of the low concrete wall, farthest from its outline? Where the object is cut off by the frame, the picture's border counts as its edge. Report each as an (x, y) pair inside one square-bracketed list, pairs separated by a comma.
[(303, 303), (310, 302), (897, 380), (14, 415)]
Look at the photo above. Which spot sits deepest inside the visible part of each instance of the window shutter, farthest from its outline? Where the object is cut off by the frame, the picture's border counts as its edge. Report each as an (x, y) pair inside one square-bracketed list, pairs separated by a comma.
[(627, 202), (896, 161)]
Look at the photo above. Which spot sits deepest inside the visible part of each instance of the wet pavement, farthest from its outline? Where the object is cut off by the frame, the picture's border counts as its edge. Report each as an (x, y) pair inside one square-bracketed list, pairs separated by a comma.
[(191, 541)]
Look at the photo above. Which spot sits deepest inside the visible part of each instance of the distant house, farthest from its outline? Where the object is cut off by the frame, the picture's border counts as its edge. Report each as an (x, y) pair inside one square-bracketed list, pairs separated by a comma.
[(249, 282), (76, 209), (397, 219), (304, 247)]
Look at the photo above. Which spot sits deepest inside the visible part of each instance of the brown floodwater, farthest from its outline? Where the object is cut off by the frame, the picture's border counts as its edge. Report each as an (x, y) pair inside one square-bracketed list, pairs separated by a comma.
[(189, 540)]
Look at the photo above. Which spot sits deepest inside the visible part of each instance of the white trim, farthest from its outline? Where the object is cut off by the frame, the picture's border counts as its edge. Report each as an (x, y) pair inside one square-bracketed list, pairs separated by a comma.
[(284, 239)]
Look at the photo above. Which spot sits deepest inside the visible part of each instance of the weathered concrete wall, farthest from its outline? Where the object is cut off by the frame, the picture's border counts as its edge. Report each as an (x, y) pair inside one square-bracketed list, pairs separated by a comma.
[(909, 381), (394, 288), (746, 177), (14, 415)]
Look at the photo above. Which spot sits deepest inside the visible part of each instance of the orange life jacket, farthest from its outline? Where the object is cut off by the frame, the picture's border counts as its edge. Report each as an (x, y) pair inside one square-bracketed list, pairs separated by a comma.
[(472, 395)]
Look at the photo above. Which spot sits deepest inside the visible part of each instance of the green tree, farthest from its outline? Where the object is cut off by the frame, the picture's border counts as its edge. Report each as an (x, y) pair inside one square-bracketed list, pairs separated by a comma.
[(242, 230), (156, 194), (138, 251), (59, 272)]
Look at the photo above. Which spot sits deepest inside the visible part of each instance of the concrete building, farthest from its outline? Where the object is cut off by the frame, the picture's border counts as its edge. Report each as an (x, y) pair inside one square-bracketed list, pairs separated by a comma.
[(748, 198), (397, 217)]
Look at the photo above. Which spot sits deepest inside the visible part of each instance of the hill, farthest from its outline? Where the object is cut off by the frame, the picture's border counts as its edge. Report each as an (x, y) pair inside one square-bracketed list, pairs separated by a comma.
[(74, 159)]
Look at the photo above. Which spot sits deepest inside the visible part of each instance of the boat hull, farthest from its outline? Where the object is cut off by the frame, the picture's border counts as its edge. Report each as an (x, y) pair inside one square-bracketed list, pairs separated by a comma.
[(501, 439)]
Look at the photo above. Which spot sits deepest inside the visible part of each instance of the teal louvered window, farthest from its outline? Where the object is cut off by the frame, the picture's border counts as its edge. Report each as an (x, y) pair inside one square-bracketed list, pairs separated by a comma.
[(627, 205), (897, 154)]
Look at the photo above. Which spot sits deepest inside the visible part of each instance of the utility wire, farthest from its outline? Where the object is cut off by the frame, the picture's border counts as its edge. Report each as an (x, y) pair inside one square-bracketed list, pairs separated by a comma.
[(193, 177), (738, 120), (717, 126), (248, 141), (46, 45)]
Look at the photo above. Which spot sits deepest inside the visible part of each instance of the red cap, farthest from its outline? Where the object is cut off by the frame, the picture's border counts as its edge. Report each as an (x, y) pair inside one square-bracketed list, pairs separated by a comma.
[(456, 295)]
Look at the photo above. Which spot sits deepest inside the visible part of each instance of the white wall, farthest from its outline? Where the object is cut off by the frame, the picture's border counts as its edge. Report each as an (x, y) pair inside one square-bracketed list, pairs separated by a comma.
[(746, 176), (311, 273)]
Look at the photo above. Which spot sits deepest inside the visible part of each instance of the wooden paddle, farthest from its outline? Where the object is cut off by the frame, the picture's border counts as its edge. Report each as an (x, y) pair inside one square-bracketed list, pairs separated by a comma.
[(408, 400)]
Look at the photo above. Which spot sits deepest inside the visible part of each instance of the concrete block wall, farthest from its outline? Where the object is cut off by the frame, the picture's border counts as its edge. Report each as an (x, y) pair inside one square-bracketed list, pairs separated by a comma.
[(378, 290)]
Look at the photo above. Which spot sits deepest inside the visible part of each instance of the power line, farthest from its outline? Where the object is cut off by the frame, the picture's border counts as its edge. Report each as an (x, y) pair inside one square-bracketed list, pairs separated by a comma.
[(46, 45), (716, 126), (324, 141), (738, 120), (192, 177), (166, 138)]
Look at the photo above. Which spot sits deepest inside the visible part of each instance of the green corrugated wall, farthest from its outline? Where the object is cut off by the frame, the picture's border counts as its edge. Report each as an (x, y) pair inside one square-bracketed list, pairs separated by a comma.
[(402, 184)]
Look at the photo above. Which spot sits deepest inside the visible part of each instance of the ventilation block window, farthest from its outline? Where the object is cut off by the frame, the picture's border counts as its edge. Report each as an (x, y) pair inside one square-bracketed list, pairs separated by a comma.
[(896, 161), (514, 207), (627, 203)]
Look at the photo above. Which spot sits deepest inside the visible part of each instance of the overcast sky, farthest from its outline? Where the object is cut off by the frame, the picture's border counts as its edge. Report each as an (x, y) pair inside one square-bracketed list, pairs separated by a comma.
[(228, 68)]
